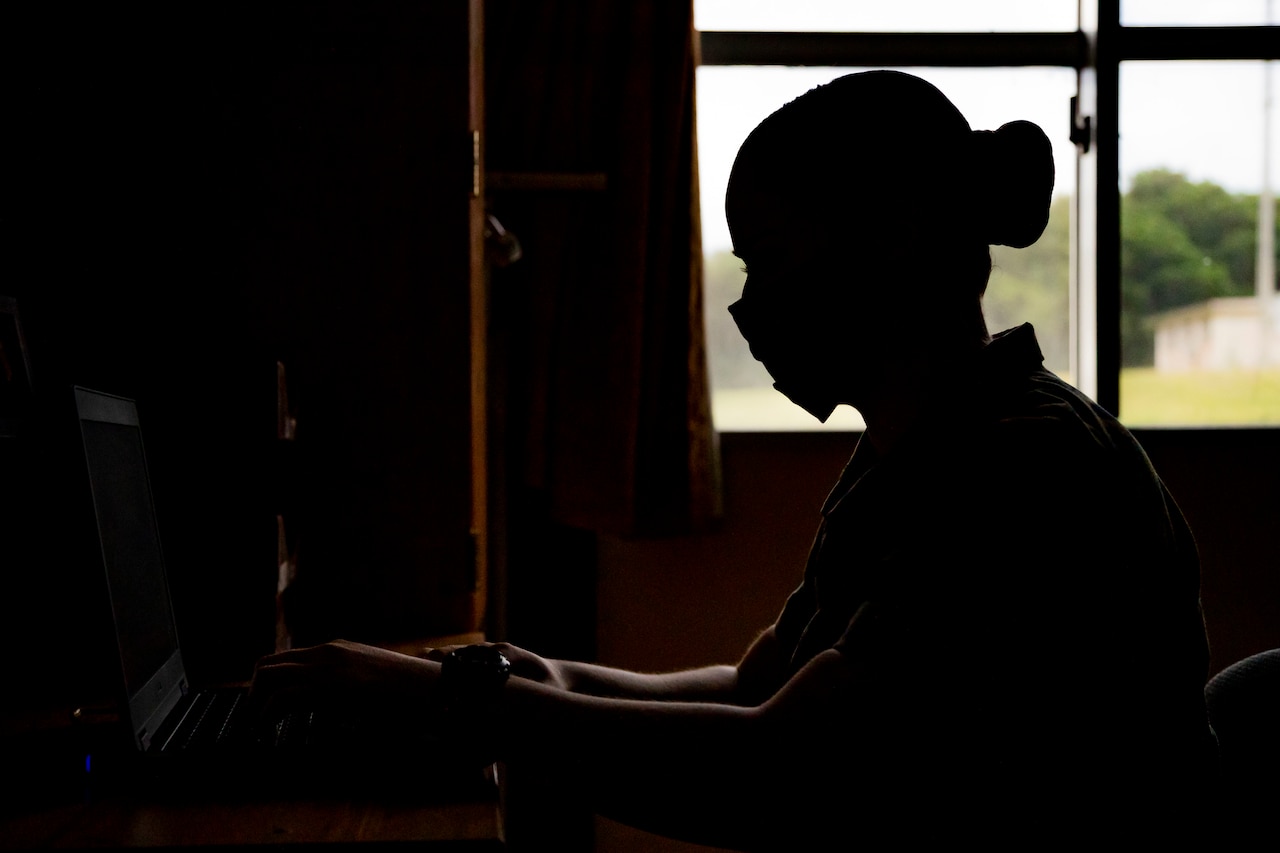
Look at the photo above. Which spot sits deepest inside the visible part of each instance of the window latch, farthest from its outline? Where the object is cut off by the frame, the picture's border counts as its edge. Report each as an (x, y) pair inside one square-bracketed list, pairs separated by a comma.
[(1081, 127)]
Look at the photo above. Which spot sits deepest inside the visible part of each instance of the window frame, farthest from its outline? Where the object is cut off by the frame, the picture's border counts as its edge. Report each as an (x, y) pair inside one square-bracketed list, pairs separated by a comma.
[(1095, 51)]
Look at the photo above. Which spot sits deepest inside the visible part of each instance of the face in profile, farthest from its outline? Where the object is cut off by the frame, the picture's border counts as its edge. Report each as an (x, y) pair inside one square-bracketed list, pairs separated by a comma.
[(812, 307)]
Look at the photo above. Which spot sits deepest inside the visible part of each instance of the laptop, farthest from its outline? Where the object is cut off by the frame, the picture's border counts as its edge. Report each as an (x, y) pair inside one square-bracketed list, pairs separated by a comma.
[(175, 727)]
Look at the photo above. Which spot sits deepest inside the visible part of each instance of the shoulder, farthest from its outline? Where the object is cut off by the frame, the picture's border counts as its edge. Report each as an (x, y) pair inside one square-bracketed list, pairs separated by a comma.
[(1019, 404), (1044, 427)]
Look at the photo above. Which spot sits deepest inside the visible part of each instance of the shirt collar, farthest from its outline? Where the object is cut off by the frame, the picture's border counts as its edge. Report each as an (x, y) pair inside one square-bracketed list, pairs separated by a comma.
[(1012, 355)]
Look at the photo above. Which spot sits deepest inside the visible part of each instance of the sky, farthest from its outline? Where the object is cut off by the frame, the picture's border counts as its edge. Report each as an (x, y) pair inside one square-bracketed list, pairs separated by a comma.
[(1205, 119), (971, 15)]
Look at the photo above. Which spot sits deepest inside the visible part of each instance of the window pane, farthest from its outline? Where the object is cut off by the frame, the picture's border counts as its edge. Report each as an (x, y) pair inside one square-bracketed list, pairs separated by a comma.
[(899, 16), (1194, 13), (1027, 285), (1200, 333)]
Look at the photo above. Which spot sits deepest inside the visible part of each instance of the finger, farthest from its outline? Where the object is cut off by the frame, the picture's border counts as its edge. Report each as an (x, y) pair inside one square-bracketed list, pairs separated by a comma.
[(284, 688), (280, 703), (302, 655), (276, 678)]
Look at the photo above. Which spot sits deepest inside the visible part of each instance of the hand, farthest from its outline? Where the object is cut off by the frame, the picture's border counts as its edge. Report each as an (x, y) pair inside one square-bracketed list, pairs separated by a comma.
[(524, 664), (346, 674)]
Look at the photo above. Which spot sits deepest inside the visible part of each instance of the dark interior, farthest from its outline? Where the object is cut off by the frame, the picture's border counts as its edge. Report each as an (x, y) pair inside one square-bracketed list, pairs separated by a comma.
[(196, 193)]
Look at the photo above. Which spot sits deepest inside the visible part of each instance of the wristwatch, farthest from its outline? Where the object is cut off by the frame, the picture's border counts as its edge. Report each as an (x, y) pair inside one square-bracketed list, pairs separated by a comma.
[(472, 677)]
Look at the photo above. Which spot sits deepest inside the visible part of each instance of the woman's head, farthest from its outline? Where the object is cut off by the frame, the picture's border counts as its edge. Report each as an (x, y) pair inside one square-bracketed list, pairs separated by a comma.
[(869, 202), (888, 151)]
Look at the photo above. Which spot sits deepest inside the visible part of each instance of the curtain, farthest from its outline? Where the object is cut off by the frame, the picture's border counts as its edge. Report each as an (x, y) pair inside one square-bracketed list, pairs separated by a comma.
[(590, 116)]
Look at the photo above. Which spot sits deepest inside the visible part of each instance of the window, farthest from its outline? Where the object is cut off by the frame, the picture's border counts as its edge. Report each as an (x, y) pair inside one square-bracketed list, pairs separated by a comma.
[(1026, 285), (898, 16), (1181, 13), (1200, 339), (1167, 130)]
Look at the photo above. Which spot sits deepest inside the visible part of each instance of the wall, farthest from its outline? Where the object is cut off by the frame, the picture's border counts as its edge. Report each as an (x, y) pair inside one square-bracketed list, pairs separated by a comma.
[(1227, 482), (184, 210)]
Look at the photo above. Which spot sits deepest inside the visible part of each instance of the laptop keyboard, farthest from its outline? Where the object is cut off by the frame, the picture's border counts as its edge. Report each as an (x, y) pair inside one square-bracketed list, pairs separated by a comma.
[(213, 722), (221, 720)]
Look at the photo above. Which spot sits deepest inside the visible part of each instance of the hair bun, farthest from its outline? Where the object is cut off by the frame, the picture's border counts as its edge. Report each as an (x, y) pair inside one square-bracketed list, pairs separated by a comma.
[(1014, 171)]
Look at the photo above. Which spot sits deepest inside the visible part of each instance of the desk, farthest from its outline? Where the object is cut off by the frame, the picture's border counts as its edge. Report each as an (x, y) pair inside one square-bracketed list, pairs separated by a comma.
[(126, 823), (53, 810)]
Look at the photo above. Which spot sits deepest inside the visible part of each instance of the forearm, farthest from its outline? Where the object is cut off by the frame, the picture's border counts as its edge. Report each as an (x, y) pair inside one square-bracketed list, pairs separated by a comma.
[(647, 764), (716, 684), (694, 770), (750, 682)]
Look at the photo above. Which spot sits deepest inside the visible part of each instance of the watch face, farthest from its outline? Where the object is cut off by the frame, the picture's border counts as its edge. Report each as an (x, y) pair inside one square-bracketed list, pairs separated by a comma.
[(482, 657), (475, 671)]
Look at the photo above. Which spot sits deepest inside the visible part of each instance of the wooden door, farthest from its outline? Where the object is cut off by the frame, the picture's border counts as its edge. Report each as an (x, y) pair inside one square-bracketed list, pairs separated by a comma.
[(371, 266)]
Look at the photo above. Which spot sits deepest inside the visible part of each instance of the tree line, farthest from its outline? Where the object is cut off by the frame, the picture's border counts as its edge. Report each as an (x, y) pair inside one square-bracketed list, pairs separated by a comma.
[(1182, 242)]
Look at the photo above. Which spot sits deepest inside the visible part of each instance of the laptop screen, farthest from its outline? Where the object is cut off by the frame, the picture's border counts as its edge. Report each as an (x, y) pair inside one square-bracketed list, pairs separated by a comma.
[(130, 547), (131, 553)]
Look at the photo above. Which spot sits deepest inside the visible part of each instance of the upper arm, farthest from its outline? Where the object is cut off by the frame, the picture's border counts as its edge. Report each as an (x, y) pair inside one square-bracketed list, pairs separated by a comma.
[(760, 669), (824, 693), (826, 685)]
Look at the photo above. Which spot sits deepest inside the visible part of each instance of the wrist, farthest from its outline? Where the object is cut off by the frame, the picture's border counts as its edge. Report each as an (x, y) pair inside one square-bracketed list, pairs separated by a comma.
[(472, 679)]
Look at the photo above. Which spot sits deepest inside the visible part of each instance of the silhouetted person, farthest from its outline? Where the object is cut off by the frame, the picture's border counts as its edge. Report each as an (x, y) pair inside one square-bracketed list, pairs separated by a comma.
[(998, 635)]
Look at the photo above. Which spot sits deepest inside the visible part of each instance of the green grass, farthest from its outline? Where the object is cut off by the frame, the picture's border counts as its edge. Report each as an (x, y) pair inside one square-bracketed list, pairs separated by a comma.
[(1147, 398), (1227, 398)]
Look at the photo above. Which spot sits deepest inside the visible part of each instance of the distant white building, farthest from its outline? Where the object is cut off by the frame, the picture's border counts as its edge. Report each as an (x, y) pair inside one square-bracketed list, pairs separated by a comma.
[(1229, 333)]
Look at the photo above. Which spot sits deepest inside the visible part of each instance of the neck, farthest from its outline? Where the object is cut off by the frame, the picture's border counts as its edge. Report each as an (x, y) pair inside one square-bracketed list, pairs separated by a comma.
[(911, 389)]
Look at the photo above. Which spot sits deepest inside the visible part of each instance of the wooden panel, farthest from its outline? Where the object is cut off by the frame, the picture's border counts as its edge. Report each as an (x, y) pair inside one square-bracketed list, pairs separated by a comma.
[(290, 183), (360, 153)]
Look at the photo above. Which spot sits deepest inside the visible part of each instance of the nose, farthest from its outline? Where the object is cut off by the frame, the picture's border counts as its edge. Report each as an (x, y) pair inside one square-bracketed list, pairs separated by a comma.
[(754, 329), (743, 316)]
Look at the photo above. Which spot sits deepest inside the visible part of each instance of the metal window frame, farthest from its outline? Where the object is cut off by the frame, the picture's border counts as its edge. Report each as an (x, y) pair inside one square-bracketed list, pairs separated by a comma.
[(1095, 51)]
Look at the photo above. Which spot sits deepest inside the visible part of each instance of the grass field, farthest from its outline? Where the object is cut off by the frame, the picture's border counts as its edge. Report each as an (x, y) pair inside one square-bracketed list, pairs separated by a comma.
[(1235, 398), (1147, 398)]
